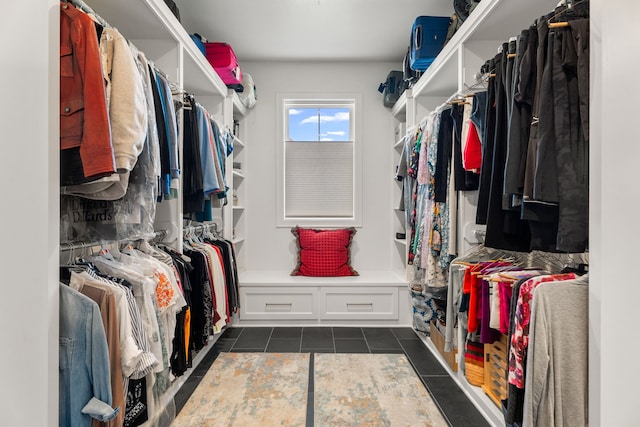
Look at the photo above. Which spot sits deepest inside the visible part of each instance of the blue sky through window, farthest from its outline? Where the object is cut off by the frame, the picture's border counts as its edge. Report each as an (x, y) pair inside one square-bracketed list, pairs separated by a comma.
[(319, 124)]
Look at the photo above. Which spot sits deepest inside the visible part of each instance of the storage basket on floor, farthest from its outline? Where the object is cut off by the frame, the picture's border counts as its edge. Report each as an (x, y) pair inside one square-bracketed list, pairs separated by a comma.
[(474, 363), (495, 370)]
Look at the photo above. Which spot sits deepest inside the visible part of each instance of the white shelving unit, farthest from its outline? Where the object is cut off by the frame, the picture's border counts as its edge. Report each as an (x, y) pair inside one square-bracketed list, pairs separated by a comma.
[(154, 30), (399, 226), (492, 23), (236, 225)]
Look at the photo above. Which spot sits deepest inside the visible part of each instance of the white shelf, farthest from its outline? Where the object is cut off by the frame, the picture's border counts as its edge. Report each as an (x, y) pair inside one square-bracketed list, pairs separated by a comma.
[(238, 106), (238, 174), (441, 78), (491, 23), (399, 144), (366, 277), (238, 208), (400, 107), (402, 242), (237, 240), (237, 142)]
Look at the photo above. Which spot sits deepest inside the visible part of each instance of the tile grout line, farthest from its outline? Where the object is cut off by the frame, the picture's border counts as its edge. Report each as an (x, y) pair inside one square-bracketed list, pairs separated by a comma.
[(269, 339), (365, 339), (236, 340), (301, 335)]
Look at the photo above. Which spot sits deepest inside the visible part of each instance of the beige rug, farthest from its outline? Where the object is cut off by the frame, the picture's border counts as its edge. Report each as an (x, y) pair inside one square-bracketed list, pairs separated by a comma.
[(250, 389), (371, 390)]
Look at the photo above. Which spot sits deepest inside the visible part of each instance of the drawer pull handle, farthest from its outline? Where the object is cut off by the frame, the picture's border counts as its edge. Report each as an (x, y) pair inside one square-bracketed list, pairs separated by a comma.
[(280, 307), (360, 306)]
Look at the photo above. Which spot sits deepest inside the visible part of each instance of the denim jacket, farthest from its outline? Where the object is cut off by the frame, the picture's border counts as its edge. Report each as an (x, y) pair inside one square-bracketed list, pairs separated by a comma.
[(85, 377)]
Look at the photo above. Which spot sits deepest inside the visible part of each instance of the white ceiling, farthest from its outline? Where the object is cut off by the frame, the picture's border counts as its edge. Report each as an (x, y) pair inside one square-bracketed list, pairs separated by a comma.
[(310, 30)]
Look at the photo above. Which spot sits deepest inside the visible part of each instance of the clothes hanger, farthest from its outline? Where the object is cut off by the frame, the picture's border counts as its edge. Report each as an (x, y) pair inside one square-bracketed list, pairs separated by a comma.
[(188, 240), (569, 10), (145, 246), (472, 256), (479, 85)]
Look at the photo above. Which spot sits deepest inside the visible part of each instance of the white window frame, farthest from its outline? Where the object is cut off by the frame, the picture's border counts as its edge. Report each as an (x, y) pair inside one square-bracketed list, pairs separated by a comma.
[(319, 100)]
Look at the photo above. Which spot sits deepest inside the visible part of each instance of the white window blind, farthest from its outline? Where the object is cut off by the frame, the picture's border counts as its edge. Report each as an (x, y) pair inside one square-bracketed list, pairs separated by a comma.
[(319, 161), (319, 179)]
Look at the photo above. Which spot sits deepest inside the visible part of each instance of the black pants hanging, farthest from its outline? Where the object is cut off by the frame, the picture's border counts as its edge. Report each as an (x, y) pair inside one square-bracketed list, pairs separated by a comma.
[(487, 148), (572, 144), (505, 229)]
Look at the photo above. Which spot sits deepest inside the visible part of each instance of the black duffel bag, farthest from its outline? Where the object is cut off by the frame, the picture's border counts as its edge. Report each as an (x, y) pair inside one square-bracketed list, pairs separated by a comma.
[(463, 8), (173, 7)]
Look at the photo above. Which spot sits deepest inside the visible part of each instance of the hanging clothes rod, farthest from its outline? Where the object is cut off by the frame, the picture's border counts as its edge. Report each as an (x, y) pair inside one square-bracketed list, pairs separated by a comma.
[(89, 11), (191, 226), (70, 246), (100, 20)]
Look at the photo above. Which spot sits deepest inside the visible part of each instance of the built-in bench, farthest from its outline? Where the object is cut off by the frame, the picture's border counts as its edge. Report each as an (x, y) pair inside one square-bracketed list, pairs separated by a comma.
[(374, 298)]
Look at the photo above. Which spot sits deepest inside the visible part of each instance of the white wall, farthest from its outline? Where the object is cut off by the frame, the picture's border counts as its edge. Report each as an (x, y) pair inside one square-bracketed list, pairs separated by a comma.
[(614, 230), (271, 248), (29, 213)]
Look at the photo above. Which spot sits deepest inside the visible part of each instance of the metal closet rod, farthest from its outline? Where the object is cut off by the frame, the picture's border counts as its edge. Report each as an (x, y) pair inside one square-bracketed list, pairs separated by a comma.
[(69, 246), (200, 226), (79, 4)]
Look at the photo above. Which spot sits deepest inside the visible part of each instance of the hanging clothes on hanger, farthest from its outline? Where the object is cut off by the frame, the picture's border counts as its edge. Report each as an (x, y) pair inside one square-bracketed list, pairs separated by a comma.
[(556, 387), (86, 152), (85, 394)]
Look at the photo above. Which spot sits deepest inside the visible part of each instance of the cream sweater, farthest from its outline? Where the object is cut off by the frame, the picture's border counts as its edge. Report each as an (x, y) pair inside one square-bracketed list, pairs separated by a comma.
[(125, 99)]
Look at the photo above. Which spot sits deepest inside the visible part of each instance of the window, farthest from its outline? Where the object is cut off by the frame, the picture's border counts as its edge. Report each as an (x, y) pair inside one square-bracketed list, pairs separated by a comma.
[(318, 162)]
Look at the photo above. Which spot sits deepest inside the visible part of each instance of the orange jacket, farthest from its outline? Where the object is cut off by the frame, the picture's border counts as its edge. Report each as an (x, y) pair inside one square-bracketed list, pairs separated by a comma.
[(84, 121)]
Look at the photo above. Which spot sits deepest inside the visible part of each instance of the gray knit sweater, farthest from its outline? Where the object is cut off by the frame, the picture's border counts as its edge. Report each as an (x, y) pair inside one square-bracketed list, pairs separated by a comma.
[(556, 385)]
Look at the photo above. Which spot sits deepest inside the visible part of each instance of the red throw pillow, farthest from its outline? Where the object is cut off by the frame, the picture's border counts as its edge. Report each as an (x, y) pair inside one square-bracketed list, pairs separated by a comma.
[(324, 253)]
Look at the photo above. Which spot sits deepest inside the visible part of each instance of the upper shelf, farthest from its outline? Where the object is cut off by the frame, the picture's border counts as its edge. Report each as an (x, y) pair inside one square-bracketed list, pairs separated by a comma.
[(148, 22), (492, 21), (238, 106)]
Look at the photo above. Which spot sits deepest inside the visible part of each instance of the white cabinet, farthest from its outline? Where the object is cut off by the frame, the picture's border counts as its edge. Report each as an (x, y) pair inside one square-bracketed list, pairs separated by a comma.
[(278, 303), (359, 303), (374, 298)]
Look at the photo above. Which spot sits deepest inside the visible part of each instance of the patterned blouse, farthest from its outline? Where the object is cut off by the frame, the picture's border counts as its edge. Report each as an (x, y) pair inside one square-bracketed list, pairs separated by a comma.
[(520, 336)]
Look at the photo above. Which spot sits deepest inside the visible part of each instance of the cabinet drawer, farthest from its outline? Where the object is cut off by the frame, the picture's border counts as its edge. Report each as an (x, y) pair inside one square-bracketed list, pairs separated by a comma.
[(277, 303), (357, 303)]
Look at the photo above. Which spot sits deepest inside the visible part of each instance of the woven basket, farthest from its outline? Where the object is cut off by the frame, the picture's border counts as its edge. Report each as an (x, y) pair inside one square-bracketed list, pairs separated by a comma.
[(474, 373), (474, 363)]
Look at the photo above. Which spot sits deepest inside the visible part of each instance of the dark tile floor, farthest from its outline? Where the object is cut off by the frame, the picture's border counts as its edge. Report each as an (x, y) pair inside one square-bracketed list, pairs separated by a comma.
[(454, 404)]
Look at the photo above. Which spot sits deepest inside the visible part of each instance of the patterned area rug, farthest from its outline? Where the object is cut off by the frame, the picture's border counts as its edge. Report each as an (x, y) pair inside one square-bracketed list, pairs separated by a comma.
[(371, 390), (250, 389)]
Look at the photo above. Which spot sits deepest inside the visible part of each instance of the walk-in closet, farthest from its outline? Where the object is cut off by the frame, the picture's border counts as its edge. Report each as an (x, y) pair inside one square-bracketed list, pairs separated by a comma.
[(273, 241)]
